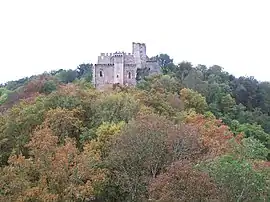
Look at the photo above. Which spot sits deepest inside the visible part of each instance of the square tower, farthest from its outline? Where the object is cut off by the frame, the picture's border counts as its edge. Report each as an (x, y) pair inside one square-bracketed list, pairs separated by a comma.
[(118, 68), (139, 52)]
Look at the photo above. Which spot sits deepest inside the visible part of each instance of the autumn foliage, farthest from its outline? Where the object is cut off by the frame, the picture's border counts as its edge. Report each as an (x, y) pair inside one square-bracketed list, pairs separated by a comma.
[(181, 182), (52, 173), (155, 142)]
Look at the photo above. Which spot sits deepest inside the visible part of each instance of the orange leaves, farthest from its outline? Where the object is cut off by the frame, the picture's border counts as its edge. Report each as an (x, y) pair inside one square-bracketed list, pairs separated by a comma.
[(54, 172), (213, 133), (64, 122), (181, 182), (42, 141)]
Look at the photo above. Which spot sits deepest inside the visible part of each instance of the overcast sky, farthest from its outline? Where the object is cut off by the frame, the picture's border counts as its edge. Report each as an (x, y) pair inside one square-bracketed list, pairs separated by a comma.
[(38, 36)]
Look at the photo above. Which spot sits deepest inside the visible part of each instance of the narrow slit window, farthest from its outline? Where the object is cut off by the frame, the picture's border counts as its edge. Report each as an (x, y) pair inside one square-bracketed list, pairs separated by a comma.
[(129, 75), (101, 74)]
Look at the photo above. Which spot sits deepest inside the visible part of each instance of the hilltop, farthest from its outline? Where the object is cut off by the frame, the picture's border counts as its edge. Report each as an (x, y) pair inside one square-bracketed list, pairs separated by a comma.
[(190, 133)]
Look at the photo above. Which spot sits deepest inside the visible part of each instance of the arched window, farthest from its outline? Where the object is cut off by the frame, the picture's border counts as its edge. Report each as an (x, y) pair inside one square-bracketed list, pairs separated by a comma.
[(129, 75), (101, 73)]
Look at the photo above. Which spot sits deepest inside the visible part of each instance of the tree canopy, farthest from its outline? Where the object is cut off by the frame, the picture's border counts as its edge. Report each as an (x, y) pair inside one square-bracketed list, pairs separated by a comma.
[(188, 134)]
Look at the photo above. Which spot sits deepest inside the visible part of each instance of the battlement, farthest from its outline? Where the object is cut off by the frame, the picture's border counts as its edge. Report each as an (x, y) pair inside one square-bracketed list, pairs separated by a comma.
[(106, 54), (118, 54), (103, 65), (120, 67), (140, 44), (130, 65), (152, 60)]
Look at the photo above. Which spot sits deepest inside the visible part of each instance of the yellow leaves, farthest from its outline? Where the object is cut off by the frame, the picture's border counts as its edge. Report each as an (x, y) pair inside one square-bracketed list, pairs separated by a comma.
[(213, 132), (42, 140), (106, 130), (64, 122), (17, 160), (38, 194), (105, 133), (117, 107), (54, 172), (194, 100)]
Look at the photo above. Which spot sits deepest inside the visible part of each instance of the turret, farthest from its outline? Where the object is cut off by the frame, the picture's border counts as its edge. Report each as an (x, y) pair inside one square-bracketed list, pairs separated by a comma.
[(139, 52), (119, 67)]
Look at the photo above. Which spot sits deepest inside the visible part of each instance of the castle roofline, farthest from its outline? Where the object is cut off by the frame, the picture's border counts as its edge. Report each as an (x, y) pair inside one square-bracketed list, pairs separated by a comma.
[(138, 43), (104, 64)]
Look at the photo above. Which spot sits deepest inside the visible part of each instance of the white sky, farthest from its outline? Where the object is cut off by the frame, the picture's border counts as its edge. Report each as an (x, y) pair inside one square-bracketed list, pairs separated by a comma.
[(38, 36)]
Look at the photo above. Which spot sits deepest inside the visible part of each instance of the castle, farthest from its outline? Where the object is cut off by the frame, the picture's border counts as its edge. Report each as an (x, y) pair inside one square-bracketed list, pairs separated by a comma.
[(121, 68)]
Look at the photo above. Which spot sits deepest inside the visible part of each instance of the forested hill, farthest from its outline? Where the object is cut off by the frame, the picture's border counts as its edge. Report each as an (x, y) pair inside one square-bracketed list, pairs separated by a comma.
[(194, 133)]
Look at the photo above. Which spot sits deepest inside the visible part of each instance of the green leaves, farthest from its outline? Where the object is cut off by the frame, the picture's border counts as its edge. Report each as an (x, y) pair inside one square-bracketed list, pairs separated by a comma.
[(165, 140), (255, 131), (4, 95), (193, 100), (239, 180), (115, 108)]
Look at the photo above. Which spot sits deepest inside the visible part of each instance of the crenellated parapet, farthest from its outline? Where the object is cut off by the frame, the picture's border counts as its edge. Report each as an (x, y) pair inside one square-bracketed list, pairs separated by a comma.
[(105, 58), (106, 54), (140, 44), (130, 65), (104, 65), (151, 60), (121, 67), (129, 59), (119, 54)]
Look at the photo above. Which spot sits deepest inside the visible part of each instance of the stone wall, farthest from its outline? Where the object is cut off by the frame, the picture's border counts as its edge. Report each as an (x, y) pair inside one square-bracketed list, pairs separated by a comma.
[(104, 74), (153, 67), (130, 72), (120, 67), (105, 58), (129, 59)]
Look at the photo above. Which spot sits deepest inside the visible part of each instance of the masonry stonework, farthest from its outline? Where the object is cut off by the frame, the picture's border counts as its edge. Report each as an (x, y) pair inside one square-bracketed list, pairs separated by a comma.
[(121, 68)]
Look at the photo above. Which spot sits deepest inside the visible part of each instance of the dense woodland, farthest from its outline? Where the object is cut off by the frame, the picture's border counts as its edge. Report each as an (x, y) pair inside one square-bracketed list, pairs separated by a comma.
[(193, 133)]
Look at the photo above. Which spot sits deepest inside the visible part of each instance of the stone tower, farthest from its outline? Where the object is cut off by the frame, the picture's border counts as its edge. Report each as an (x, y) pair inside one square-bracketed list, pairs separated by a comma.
[(139, 52), (121, 68), (118, 70)]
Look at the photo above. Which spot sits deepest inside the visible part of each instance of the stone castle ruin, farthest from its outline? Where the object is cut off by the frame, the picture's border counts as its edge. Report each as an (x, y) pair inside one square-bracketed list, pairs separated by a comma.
[(121, 68)]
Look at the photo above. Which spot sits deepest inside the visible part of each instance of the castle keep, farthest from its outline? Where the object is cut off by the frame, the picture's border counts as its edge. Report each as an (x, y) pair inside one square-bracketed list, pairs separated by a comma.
[(121, 68)]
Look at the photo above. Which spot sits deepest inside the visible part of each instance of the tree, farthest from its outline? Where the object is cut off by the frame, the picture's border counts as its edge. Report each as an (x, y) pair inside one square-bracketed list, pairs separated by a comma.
[(181, 182), (212, 134), (255, 131), (193, 100), (18, 124), (53, 173), (104, 135), (48, 87), (160, 83), (85, 71), (182, 70), (251, 148), (138, 154), (64, 123), (4, 95), (227, 104), (67, 76), (194, 81), (239, 180), (114, 108), (165, 62), (264, 91)]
